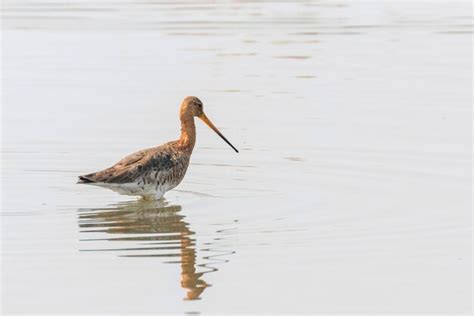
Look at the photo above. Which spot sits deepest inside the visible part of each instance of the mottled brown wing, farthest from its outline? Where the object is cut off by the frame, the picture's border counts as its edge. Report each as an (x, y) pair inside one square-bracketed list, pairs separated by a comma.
[(132, 167)]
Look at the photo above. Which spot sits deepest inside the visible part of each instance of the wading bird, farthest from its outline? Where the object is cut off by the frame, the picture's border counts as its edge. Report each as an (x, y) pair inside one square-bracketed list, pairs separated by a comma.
[(152, 172)]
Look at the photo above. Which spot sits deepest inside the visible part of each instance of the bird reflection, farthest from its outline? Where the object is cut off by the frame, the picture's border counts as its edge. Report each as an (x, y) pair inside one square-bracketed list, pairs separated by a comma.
[(156, 229)]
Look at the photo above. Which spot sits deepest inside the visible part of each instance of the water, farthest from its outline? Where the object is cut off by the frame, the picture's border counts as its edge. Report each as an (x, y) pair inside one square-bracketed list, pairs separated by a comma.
[(351, 192)]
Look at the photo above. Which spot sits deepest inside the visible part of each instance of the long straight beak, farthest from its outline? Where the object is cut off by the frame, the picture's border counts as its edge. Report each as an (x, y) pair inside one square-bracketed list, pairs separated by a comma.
[(204, 118)]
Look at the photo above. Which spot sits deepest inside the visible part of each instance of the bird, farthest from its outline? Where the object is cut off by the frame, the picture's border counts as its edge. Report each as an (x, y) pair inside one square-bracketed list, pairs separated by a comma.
[(151, 172)]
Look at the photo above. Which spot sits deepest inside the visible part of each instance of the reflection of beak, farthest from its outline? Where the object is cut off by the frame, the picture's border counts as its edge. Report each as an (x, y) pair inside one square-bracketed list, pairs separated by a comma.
[(204, 118)]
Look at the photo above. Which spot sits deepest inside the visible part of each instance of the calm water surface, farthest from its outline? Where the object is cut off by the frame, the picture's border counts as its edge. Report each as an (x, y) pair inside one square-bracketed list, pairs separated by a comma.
[(351, 193)]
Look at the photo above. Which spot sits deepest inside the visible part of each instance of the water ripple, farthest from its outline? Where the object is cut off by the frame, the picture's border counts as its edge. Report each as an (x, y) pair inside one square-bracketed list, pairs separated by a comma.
[(148, 229)]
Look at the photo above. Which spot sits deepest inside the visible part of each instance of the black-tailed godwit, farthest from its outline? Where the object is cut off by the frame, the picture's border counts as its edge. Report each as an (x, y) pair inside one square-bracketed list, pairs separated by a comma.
[(152, 172)]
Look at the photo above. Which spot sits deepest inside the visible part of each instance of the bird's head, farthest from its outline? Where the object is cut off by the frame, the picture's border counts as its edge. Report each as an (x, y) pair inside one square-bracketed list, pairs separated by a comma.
[(193, 107)]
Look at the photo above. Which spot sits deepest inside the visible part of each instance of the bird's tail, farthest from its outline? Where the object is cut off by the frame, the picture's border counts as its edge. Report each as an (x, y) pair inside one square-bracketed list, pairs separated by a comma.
[(86, 179)]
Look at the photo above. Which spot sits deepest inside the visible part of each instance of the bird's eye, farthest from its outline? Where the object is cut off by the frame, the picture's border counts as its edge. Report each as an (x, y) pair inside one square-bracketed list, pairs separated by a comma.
[(200, 105)]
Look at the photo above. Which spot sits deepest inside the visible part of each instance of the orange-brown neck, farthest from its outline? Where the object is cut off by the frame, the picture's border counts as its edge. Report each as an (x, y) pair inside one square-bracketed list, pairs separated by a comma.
[(188, 132)]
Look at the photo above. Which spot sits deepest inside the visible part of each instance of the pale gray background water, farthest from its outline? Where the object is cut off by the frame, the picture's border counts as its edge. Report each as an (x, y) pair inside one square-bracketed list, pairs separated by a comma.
[(351, 193)]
